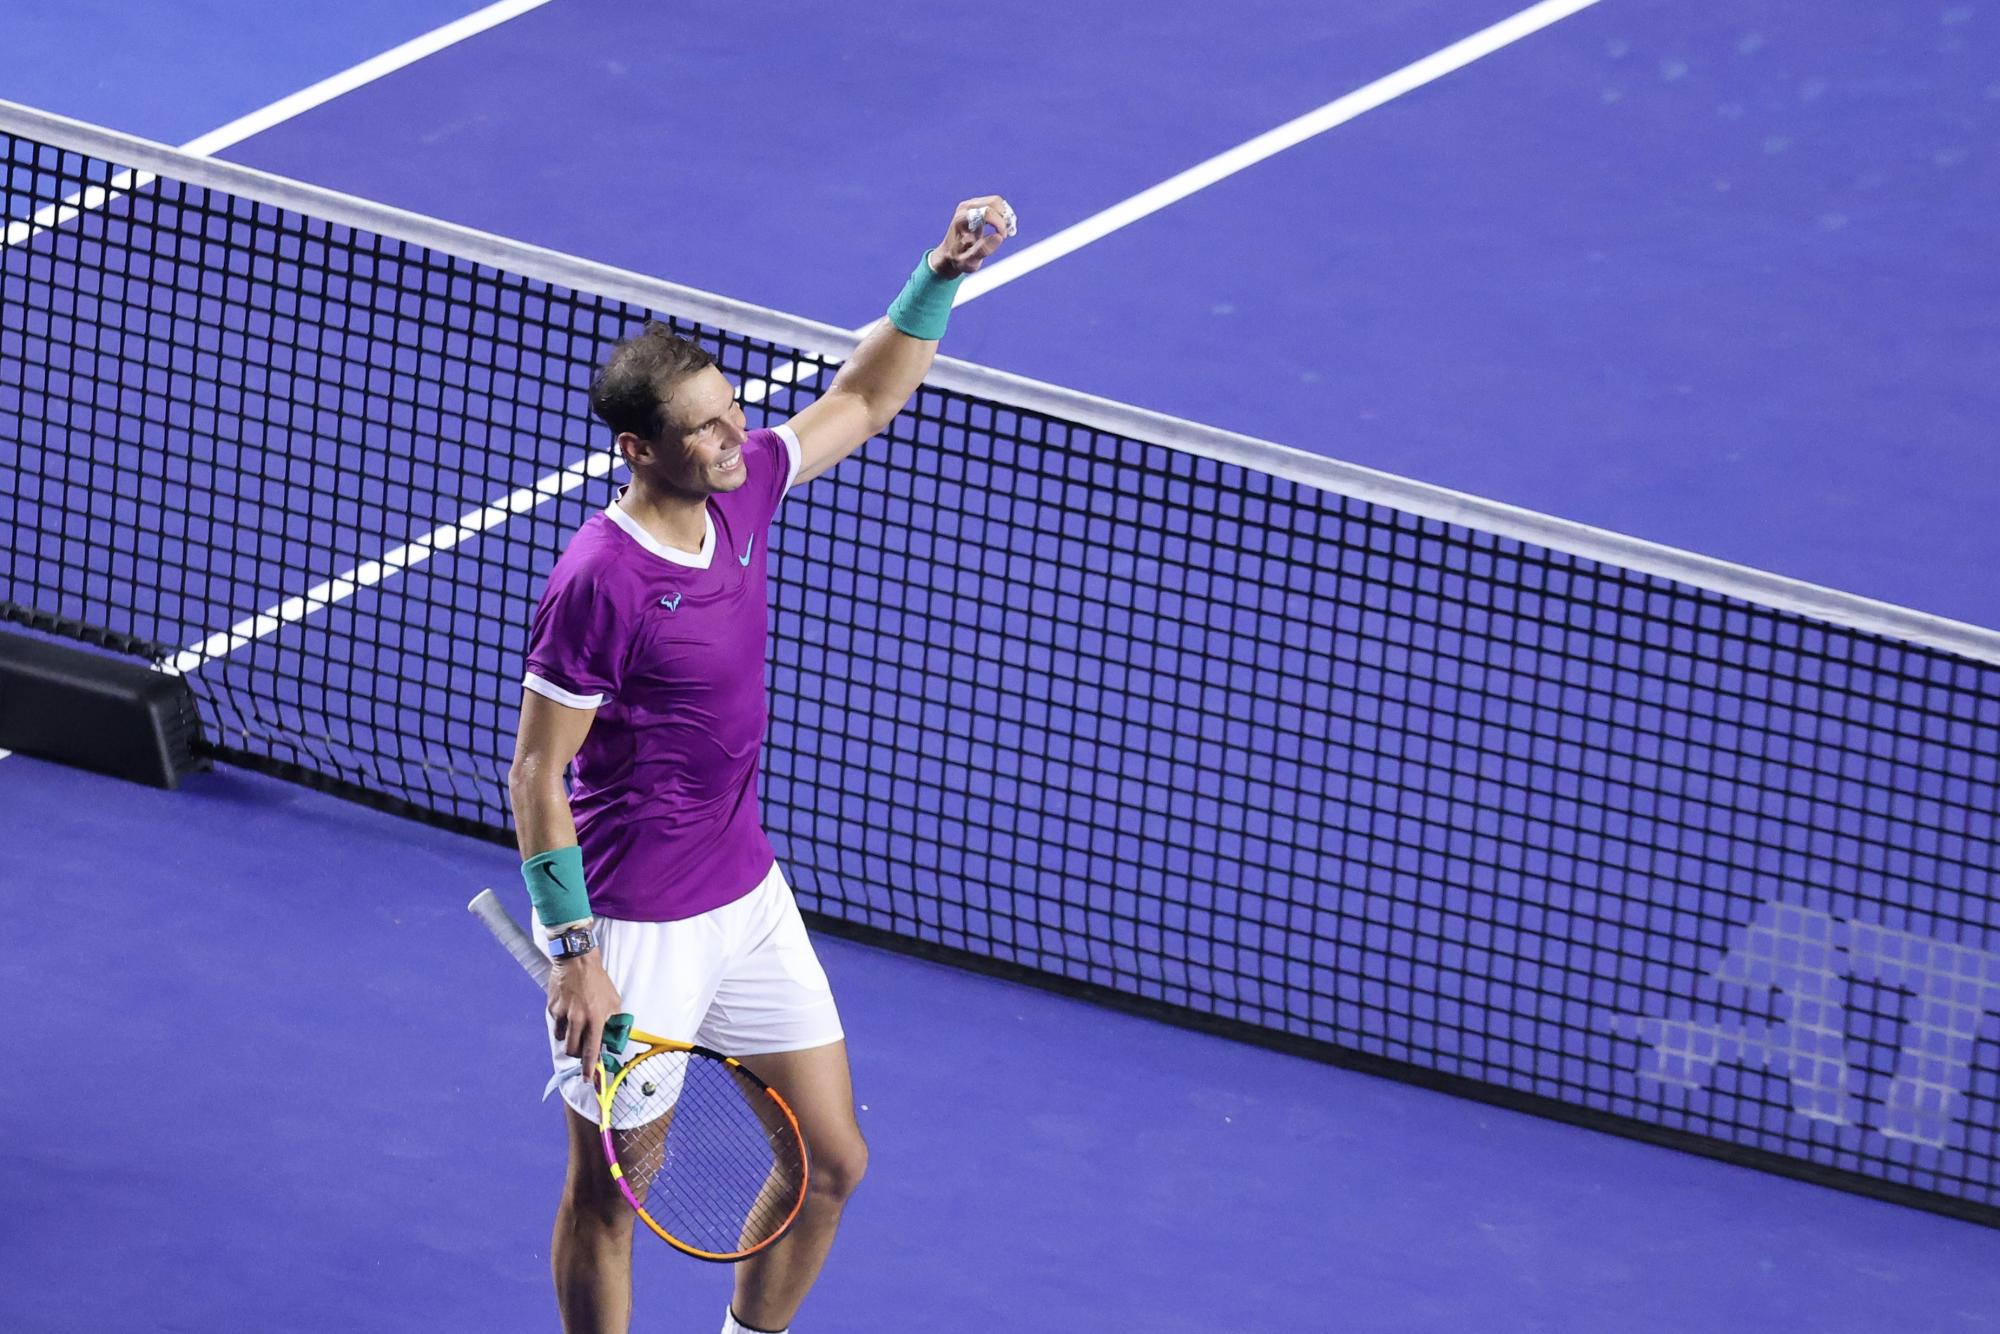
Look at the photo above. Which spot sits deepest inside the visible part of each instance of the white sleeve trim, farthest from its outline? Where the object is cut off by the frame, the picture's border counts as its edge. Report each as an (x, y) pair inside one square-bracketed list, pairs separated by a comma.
[(549, 690), (792, 453)]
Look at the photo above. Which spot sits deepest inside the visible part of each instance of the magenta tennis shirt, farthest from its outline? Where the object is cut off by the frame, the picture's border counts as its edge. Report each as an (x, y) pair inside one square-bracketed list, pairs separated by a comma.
[(668, 647)]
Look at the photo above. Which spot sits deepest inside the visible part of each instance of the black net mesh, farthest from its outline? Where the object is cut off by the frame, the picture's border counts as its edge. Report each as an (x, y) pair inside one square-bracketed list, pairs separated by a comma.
[(1131, 719)]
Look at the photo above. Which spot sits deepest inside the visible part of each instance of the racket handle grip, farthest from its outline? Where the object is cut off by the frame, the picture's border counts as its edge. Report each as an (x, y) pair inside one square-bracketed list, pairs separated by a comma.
[(486, 907)]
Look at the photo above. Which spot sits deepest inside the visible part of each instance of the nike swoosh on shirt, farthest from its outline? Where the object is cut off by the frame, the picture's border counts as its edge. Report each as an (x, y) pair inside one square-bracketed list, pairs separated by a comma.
[(748, 547)]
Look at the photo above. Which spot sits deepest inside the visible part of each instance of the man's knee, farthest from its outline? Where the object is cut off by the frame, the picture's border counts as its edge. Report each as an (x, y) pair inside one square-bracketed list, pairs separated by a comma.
[(838, 1166), (592, 1200)]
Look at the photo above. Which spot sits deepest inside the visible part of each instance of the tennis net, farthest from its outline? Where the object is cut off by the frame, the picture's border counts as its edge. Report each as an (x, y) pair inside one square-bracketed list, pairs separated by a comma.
[(1217, 730)]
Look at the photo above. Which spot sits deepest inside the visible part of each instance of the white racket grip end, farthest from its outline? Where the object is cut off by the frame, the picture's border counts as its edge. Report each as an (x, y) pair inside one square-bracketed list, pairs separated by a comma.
[(486, 907)]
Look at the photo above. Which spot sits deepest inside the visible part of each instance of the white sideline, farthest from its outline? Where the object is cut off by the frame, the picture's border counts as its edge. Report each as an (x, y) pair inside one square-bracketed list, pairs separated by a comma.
[(1293, 132), (599, 463), (278, 112), (375, 67)]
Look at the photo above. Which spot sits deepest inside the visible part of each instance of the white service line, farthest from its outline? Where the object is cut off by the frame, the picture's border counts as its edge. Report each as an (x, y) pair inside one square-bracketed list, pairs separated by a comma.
[(73, 207), (369, 573), (345, 585), (395, 58), (598, 464), (1293, 132), (320, 596), (284, 109)]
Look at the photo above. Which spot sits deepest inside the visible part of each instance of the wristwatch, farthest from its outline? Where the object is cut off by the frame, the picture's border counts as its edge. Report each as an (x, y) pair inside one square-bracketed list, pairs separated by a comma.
[(571, 944)]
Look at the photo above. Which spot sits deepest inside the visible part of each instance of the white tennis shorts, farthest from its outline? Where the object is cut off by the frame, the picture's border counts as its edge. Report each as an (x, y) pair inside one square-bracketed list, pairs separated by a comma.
[(741, 979)]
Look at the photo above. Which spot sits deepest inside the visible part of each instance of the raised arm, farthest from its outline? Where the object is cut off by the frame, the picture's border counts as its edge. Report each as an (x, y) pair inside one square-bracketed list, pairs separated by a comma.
[(886, 369)]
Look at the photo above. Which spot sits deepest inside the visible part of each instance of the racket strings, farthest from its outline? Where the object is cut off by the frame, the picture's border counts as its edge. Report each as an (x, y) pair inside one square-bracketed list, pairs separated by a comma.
[(708, 1154)]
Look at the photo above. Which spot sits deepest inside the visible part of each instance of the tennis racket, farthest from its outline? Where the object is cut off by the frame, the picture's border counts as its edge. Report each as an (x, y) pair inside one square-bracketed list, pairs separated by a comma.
[(706, 1153)]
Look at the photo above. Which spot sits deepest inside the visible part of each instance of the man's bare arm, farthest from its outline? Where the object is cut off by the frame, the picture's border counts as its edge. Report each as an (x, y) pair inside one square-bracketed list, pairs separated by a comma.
[(886, 369), (550, 735), (581, 996)]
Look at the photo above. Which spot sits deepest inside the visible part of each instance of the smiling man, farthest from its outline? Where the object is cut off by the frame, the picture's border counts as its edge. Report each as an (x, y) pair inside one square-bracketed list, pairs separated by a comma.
[(655, 889)]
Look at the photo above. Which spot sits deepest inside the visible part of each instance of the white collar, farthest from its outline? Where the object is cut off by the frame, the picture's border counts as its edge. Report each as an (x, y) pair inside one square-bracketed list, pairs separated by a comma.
[(645, 539)]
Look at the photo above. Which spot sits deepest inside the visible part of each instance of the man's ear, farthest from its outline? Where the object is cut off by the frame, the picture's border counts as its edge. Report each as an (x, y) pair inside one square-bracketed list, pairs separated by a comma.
[(634, 449)]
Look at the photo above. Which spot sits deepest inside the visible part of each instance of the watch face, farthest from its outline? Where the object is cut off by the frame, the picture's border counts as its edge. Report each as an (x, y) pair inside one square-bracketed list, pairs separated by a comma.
[(573, 942)]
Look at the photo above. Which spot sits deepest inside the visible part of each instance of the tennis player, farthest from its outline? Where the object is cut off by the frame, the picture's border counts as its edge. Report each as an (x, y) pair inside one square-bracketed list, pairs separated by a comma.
[(655, 889)]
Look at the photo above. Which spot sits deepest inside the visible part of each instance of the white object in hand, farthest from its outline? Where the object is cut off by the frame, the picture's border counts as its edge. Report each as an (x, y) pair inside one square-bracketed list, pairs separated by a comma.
[(975, 219)]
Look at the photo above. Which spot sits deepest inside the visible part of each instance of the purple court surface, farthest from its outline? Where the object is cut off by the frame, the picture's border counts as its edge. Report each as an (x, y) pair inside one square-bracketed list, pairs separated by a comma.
[(287, 1085), (1720, 278)]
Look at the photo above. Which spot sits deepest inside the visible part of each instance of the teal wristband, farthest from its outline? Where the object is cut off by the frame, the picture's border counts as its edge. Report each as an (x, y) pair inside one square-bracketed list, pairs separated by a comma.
[(555, 886), (925, 305)]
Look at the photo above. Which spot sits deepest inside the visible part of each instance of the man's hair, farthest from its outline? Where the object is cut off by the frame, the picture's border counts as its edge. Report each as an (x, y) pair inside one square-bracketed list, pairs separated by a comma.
[(630, 391)]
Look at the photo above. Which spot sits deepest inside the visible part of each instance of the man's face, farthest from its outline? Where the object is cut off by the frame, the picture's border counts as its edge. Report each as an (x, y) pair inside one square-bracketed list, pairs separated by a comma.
[(701, 449)]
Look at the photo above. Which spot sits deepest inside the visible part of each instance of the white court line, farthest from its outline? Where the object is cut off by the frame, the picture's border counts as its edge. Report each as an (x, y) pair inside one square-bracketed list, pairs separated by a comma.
[(320, 596), (395, 58), (599, 463), (366, 575), (284, 109), (1293, 132)]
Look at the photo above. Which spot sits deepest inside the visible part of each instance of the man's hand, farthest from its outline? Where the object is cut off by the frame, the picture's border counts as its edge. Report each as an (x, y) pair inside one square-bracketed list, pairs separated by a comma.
[(978, 228), (581, 998)]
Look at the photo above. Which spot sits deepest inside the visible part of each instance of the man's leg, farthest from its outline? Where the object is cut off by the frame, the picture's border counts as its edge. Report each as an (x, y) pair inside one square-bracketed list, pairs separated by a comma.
[(591, 1251), (771, 1284)]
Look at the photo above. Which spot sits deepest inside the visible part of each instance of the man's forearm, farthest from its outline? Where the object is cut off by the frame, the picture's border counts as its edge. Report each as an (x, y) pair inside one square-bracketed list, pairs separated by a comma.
[(892, 360), (884, 371), (542, 821)]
